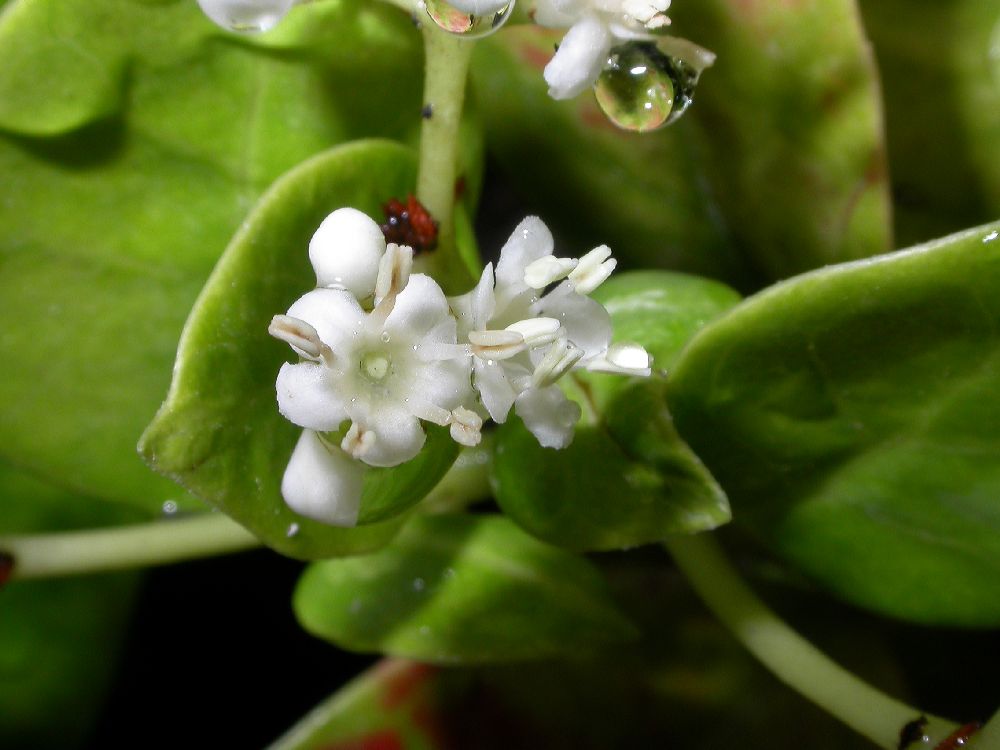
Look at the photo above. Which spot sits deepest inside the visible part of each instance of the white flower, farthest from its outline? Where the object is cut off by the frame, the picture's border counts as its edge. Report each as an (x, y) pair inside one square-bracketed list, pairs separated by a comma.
[(522, 343), (595, 26), (376, 370)]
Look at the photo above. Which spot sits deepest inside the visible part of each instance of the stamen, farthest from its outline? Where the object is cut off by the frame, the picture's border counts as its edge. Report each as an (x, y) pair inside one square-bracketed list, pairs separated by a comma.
[(593, 269), (623, 359), (536, 331), (557, 362), (496, 344), (358, 441), (428, 412), (300, 336), (393, 273), (544, 271), (466, 427)]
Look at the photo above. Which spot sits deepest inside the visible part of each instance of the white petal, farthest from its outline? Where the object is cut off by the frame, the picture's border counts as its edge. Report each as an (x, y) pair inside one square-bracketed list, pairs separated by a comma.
[(308, 396), (345, 252), (334, 313), (549, 415), (480, 7), (447, 384), (419, 309), (557, 14), (494, 388), (581, 57), (398, 434), (323, 483), (586, 322), (530, 241)]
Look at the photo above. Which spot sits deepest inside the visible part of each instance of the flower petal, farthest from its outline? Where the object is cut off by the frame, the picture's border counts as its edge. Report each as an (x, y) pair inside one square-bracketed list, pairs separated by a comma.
[(549, 415), (587, 323), (323, 483), (398, 434), (444, 383), (581, 57), (495, 390), (345, 252), (557, 14), (530, 241), (334, 313), (308, 396), (419, 308)]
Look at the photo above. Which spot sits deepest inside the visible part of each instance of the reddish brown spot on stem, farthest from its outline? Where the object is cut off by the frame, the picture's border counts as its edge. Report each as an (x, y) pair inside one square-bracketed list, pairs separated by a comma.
[(6, 567), (960, 737), (409, 224)]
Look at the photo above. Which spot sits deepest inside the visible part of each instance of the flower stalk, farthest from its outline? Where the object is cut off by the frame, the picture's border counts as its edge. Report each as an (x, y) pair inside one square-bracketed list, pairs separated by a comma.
[(446, 69), (792, 658)]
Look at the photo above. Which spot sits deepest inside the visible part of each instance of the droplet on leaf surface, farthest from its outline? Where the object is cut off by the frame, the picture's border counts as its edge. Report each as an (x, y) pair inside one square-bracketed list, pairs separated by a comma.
[(465, 24), (643, 89), (246, 16)]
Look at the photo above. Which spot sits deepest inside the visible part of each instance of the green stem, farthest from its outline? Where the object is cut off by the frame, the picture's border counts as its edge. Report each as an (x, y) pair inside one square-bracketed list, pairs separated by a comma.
[(122, 547), (446, 68), (792, 658)]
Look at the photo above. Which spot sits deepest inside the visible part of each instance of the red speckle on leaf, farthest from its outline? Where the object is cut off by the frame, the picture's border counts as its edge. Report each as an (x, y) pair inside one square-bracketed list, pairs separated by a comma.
[(409, 224), (404, 679), (384, 740), (6, 567)]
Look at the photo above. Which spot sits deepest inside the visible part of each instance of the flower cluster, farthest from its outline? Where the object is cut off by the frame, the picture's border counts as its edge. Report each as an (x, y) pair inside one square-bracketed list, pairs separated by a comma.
[(382, 349)]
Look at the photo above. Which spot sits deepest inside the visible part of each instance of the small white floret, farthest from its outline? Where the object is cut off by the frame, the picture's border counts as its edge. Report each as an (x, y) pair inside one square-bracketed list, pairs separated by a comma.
[(345, 252)]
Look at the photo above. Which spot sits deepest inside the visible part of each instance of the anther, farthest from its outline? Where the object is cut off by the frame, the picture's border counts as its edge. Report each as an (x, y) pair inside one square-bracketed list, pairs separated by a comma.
[(537, 331), (623, 359), (547, 270), (558, 360), (496, 344), (358, 441), (300, 336), (466, 427), (592, 270)]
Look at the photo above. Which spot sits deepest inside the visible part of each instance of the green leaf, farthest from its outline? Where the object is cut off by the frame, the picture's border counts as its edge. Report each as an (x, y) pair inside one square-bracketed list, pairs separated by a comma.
[(219, 432), (627, 478), (851, 416), (778, 167), (134, 137), (58, 638), (461, 589), (939, 72)]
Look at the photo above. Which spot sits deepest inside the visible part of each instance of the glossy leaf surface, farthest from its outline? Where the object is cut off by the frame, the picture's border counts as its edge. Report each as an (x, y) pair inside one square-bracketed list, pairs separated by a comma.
[(852, 416), (219, 432), (134, 137), (461, 589), (627, 478)]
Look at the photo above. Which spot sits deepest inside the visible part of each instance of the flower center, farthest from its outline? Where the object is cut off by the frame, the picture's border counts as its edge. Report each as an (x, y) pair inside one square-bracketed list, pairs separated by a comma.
[(375, 365)]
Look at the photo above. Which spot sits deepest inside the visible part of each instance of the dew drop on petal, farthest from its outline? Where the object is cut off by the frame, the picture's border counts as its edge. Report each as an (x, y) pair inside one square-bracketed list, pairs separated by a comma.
[(643, 89), (467, 25), (246, 16), (385, 337)]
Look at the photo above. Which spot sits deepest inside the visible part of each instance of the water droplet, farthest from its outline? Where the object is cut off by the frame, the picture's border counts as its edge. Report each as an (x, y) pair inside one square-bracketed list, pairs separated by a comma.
[(246, 16), (169, 508), (463, 24), (418, 584), (425, 630), (643, 89), (490, 362), (385, 337), (448, 574), (293, 529)]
